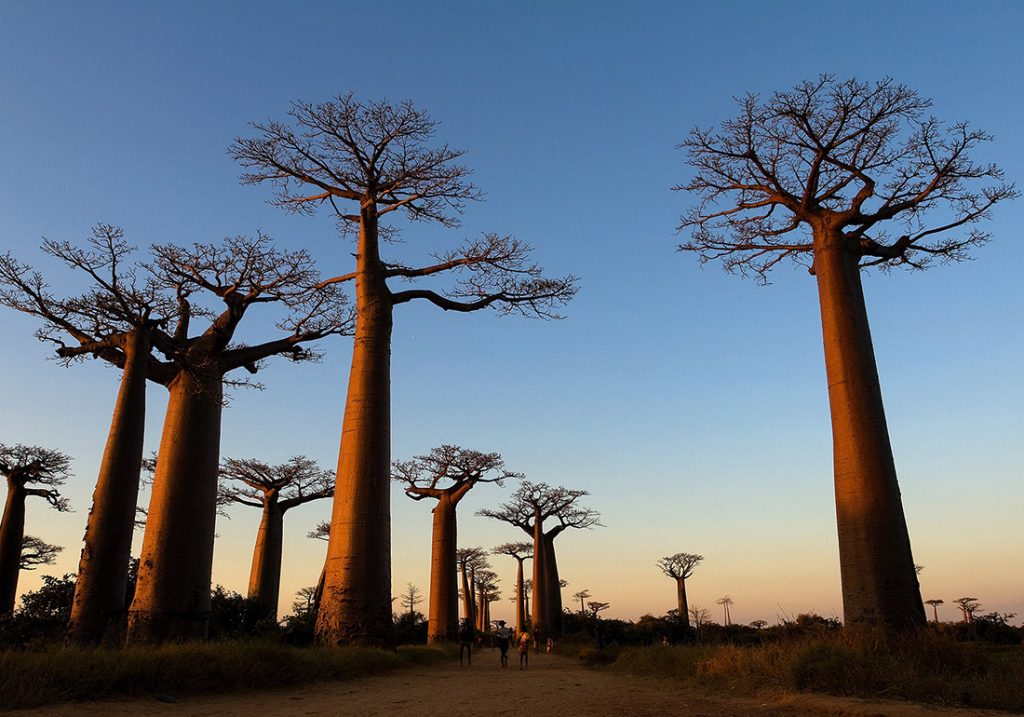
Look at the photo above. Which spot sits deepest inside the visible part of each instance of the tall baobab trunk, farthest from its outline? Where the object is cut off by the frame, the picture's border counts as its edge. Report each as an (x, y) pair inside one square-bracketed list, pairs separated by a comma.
[(481, 613), (540, 565), (172, 596), (879, 582), (443, 610), (520, 599), (356, 606), (265, 575), (683, 607), (101, 588), (553, 592), (12, 533), (467, 598)]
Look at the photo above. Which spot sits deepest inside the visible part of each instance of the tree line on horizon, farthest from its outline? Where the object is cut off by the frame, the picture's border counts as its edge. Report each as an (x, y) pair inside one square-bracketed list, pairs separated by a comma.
[(839, 176)]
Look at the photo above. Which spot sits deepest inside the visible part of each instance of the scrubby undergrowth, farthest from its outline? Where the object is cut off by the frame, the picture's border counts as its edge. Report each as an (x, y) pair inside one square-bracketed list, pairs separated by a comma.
[(923, 667), (34, 678)]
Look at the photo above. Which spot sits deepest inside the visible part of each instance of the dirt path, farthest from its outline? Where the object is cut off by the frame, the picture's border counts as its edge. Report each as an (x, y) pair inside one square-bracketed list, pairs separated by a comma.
[(551, 687)]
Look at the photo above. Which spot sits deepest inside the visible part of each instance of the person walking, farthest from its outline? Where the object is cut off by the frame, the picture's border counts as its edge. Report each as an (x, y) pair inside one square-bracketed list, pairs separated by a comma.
[(524, 650), (504, 637)]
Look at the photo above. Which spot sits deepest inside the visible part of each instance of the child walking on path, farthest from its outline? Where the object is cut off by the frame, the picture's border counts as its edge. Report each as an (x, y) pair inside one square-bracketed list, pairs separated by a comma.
[(524, 650)]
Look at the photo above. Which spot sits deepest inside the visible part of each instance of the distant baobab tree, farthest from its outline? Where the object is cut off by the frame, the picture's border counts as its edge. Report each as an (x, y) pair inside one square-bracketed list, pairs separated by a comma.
[(30, 472), (274, 489), (528, 509), (968, 606), (364, 161), (486, 592), (726, 601), (469, 561), (218, 283), (815, 174), (521, 552), (446, 475), (759, 624), (935, 607), (114, 320), (36, 551), (581, 596), (679, 567), (596, 608)]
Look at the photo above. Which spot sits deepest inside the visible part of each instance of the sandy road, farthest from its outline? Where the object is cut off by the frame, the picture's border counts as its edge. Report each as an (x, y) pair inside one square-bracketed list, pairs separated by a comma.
[(552, 687)]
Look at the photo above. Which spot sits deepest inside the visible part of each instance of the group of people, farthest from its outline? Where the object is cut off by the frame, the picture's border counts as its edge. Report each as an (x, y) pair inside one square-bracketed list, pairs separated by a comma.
[(505, 636)]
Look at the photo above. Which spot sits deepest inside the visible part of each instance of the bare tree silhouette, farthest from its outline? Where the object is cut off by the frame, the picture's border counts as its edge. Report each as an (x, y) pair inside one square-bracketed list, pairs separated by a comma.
[(726, 602), (679, 567), (814, 174), (521, 552), (376, 159), (935, 607), (36, 551), (274, 490), (446, 475), (31, 472)]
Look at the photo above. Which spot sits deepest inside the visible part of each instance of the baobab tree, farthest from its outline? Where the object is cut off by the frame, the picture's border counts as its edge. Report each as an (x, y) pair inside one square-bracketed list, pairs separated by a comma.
[(968, 606), (470, 560), (935, 607), (31, 472), (679, 567), (726, 602), (528, 509), (596, 608), (446, 475), (218, 283), (816, 174), (364, 162), (486, 582), (36, 551), (581, 596), (112, 321), (274, 490), (521, 552)]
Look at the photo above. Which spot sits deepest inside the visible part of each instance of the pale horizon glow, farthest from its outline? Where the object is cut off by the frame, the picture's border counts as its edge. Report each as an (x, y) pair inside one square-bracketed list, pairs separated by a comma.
[(691, 404)]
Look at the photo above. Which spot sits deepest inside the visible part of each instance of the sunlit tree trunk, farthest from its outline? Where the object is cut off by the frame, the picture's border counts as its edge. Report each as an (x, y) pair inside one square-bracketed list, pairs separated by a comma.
[(879, 581), (539, 577), (356, 605), (553, 591), (520, 599), (683, 606), (265, 575), (12, 533), (101, 587), (467, 597), (172, 597), (443, 617)]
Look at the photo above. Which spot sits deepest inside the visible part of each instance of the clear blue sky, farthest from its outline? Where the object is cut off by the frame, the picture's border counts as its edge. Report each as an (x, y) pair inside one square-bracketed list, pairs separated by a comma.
[(690, 403)]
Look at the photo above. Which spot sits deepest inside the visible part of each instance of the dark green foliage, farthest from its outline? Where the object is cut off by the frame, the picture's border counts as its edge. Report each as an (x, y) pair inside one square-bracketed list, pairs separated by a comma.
[(233, 616), (410, 629), (42, 616)]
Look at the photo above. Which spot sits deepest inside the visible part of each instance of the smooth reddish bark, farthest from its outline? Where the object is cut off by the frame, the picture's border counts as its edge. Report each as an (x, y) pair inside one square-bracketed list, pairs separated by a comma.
[(443, 609), (172, 596), (356, 606), (879, 580), (12, 533), (100, 590), (265, 574)]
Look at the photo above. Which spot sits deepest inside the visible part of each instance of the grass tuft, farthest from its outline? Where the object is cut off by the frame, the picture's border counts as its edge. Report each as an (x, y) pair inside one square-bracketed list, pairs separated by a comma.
[(29, 679)]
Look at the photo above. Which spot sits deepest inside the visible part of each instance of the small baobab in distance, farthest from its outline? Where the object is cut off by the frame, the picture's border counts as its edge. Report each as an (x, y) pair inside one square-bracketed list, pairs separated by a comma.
[(530, 507), (30, 472), (520, 552), (816, 174), (274, 489), (446, 475), (679, 567), (364, 162)]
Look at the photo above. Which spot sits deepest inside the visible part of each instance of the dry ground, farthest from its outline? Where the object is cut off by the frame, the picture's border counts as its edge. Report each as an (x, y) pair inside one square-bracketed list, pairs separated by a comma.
[(552, 687)]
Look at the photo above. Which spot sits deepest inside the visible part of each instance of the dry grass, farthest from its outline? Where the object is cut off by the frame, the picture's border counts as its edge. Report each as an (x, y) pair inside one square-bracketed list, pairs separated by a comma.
[(923, 668), (28, 679)]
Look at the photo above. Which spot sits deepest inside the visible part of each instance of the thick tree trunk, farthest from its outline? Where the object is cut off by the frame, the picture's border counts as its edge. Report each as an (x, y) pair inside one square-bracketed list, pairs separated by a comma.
[(172, 597), (12, 533), (467, 598), (265, 575), (520, 599), (356, 607), (684, 607), (879, 581), (102, 583), (553, 596), (539, 578), (443, 610)]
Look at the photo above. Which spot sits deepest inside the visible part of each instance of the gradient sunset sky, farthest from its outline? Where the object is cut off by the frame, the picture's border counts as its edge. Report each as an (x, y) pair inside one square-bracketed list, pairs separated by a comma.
[(690, 403)]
